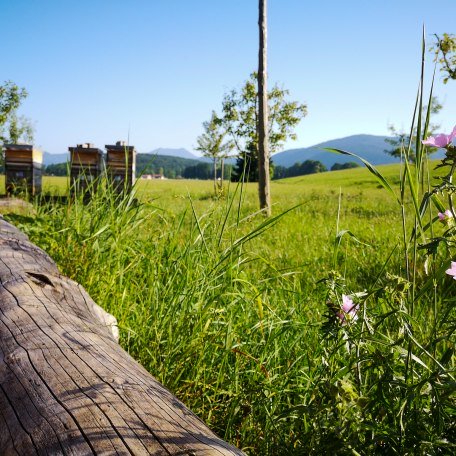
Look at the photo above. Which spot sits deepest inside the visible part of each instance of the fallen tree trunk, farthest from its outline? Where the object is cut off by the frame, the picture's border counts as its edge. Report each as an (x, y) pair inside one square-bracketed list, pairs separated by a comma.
[(66, 386)]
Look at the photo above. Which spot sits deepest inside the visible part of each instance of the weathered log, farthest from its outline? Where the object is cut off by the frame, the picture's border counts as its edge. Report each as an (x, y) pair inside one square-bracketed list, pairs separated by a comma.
[(66, 386)]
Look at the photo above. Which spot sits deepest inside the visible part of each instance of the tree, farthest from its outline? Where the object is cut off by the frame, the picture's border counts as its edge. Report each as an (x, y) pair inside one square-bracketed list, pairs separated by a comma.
[(279, 172), (56, 169), (264, 192), (400, 139), (20, 129), (10, 99), (198, 171), (239, 118), (211, 145), (445, 54), (307, 167), (13, 128), (347, 165)]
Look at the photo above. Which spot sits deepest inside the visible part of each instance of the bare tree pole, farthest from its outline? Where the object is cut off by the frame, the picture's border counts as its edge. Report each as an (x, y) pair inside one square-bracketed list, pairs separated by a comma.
[(263, 130)]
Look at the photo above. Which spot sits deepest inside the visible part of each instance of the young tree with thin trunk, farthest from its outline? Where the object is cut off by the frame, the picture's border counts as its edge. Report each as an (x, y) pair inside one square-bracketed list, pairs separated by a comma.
[(211, 144), (240, 120), (263, 130)]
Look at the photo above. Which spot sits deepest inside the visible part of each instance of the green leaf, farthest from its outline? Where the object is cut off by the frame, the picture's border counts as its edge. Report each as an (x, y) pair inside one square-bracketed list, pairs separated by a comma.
[(373, 170)]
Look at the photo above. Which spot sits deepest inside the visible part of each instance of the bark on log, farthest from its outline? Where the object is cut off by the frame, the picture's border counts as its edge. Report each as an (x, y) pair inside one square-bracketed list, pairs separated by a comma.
[(66, 386)]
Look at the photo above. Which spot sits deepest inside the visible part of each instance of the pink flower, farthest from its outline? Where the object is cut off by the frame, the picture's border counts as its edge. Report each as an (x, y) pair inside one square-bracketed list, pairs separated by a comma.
[(452, 270), (349, 310), (444, 216), (440, 140)]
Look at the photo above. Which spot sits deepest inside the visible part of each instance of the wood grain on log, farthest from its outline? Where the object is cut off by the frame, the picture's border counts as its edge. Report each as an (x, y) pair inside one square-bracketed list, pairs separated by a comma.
[(66, 386)]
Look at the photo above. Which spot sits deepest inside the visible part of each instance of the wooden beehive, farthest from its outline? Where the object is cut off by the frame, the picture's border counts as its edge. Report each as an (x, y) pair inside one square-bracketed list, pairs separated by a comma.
[(86, 167), (22, 169), (121, 165)]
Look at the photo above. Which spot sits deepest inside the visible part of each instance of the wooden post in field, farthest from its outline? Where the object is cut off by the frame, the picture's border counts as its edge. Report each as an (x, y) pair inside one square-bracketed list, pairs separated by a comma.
[(22, 169), (66, 386), (263, 129)]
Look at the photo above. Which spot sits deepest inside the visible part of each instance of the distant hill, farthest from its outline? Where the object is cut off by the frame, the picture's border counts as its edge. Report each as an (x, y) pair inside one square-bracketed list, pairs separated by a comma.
[(51, 159), (183, 153), (170, 166), (370, 147)]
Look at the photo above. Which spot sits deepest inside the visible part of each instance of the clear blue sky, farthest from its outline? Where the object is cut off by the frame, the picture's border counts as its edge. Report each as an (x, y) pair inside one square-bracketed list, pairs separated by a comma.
[(96, 68)]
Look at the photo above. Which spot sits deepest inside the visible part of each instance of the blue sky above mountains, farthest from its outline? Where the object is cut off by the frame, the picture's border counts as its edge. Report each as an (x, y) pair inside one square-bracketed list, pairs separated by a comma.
[(152, 71)]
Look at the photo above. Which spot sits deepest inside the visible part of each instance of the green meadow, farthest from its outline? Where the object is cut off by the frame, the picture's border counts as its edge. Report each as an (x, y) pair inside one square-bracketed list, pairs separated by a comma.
[(239, 315)]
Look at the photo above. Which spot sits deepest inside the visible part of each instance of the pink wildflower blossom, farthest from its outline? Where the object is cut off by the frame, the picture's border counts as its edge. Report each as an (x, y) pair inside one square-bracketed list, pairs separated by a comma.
[(452, 270), (349, 310), (440, 140), (444, 216)]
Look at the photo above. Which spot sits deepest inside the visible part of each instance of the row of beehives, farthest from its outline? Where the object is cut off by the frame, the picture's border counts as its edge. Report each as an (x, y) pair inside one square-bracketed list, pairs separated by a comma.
[(23, 165)]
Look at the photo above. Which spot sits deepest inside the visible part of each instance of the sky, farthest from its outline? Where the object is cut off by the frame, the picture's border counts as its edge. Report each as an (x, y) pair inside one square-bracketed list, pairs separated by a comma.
[(152, 71)]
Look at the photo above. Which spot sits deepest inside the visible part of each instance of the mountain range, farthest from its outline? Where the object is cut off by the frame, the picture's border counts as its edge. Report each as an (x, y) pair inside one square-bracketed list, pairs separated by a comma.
[(370, 147), (53, 159)]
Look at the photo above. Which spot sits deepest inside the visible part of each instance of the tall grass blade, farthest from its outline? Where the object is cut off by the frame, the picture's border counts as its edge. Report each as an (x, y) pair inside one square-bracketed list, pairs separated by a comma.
[(382, 180)]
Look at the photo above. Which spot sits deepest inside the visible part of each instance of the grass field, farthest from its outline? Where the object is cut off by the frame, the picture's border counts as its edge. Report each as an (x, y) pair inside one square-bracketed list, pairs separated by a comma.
[(238, 315)]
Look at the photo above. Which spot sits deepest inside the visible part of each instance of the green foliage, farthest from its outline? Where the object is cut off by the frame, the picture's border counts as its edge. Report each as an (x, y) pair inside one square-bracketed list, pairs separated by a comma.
[(12, 127), (401, 140), (299, 169), (198, 171), (239, 119), (20, 129), (402, 350), (445, 55), (10, 99), (306, 167), (56, 169), (246, 167), (211, 144), (171, 167), (205, 171), (278, 171), (347, 165)]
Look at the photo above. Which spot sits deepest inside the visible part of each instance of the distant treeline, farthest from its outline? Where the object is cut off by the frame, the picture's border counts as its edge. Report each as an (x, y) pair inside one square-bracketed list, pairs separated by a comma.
[(168, 166), (309, 167), (177, 167)]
